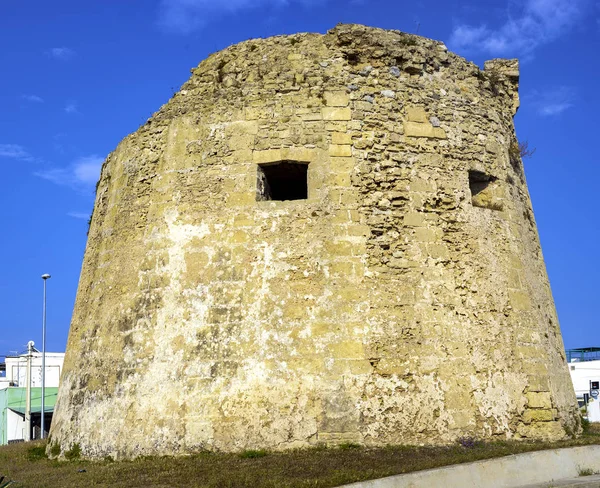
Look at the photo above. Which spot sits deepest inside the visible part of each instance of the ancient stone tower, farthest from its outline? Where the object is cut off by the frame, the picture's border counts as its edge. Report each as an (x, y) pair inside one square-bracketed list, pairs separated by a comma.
[(320, 238)]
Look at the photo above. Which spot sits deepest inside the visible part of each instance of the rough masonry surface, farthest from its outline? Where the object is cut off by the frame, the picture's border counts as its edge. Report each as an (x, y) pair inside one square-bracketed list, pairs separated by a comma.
[(403, 300)]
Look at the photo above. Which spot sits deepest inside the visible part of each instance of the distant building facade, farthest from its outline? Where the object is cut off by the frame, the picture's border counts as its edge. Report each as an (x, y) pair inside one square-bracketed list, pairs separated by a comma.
[(584, 366), (13, 395)]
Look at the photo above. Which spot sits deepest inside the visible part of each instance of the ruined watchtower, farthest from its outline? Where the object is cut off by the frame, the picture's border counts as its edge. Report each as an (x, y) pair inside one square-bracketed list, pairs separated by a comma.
[(320, 238)]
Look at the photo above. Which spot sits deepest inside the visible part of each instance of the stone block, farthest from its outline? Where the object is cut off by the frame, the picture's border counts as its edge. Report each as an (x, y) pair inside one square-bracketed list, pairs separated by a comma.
[(461, 419), (420, 184), (415, 129), (360, 366), (542, 430), (335, 113), (241, 127), (519, 300), (417, 114), (348, 350), (339, 150), (241, 142), (302, 154), (339, 248), (538, 382), (342, 165), (254, 113), (413, 219), (339, 179), (539, 399), (311, 117), (423, 234), (397, 366), (246, 198), (438, 251), (343, 268), (538, 415), (358, 230), (336, 99), (267, 156), (341, 138)]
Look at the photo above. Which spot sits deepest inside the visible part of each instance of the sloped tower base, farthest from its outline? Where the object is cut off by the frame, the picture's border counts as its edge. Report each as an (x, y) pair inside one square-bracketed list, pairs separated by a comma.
[(320, 238)]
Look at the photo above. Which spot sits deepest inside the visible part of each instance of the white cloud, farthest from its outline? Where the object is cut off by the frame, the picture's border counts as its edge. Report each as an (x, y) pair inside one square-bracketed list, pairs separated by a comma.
[(61, 53), (184, 16), (32, 98), (14, 151), (552, 101), (531, 24), (79, 215), (81, 175), (71, 108)]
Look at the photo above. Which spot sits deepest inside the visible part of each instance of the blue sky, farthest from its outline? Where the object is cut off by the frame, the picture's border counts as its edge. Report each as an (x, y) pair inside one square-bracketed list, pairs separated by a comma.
[(78, 76)]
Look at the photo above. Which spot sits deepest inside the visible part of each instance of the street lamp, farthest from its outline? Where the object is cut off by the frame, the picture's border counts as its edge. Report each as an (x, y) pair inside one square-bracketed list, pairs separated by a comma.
[(45, 278)]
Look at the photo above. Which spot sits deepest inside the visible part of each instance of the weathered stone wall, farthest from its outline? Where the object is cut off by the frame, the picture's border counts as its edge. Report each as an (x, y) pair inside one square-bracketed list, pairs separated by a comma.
[(404, 301)]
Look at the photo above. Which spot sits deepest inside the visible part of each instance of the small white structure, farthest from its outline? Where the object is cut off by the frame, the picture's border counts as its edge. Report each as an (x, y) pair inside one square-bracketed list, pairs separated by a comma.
[(584, 366), (13, 392), (16, 370)]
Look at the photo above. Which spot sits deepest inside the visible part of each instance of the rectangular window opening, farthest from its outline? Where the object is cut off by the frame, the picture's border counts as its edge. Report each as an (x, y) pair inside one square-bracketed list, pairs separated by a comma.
[(485, 192), (282, 180), (479, 181)]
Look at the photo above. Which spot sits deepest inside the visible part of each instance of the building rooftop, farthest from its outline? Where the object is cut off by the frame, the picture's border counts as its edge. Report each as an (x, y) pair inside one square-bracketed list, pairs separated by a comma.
[(583, 354)]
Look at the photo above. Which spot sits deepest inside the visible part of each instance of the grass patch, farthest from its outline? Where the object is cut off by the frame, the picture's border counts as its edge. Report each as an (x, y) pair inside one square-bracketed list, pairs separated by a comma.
[(349, 445), (317, 467), (253, 453), (73, 453), (586, 472), (55, 450), (586, 426), (35, 453)]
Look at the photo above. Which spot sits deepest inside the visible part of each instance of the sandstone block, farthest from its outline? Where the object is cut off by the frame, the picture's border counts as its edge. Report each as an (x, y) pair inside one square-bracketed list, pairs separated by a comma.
[(423, 234), (310, 117), (539, 399), (414, 129), (303, 154), (342, 164), (341, 138), (417, 114), (267, 156), (336, 99), (335, 113), (348, 350), (339, 150), (414, 219), (461, 419), (519, 300), (538, 415)]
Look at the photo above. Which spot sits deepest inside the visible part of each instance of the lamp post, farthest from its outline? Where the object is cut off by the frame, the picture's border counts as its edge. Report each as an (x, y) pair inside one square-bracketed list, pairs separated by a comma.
[(43, 411)]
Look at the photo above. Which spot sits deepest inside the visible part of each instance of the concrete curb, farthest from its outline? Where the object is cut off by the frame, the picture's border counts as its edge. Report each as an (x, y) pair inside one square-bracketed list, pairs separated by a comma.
[(506, 472)]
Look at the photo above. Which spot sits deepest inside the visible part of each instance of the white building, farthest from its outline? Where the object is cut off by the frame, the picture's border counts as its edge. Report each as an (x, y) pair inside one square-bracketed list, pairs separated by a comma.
[(584, 366), (13, 391), (16, 369)]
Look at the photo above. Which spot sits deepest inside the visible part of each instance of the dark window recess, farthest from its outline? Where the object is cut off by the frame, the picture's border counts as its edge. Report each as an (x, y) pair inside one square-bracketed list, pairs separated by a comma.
[(485, 192), (479, 181), (283, 180)]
